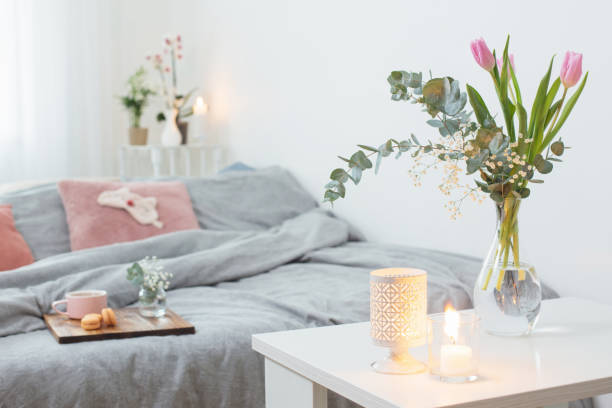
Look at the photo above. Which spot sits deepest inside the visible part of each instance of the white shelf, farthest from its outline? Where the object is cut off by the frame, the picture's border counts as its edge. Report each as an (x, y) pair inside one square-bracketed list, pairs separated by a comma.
[(158, 160)]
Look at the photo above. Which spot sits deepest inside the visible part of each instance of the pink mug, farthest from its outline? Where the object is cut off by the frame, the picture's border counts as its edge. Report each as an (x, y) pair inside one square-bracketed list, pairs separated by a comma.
[(82, 302)]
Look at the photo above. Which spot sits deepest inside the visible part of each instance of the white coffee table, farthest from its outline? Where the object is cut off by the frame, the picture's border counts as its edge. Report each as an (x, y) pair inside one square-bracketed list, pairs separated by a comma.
[(568, 357)]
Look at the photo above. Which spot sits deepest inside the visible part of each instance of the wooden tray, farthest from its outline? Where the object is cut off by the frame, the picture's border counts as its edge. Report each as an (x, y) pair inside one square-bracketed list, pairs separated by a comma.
[(129, 324)]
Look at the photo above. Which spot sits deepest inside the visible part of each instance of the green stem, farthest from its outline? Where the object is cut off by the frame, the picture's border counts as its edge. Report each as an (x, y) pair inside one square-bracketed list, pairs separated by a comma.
[(507, 240), (173, 69), (554, 121)]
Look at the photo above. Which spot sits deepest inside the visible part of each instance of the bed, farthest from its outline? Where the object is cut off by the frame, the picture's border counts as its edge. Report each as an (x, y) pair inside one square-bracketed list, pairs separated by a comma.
[(266, 258)]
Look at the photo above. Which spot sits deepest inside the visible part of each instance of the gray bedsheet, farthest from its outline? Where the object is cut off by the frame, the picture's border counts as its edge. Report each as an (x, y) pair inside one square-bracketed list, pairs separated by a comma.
[(304, 272)]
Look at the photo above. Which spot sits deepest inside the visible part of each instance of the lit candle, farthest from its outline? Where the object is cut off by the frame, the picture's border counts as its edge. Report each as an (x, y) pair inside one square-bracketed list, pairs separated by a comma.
[(455, 359), (199, 107)]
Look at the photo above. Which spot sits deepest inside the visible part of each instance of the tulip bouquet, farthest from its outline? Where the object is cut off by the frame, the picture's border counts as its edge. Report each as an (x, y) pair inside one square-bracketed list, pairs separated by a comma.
[(505, 157)]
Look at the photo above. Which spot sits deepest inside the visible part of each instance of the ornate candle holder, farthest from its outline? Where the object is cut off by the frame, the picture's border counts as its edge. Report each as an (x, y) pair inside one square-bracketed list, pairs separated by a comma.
[(398, 317), (453, 345)]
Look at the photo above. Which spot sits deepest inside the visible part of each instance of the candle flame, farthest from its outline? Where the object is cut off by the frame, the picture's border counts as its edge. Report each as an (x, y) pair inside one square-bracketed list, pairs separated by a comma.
[(451, 322)]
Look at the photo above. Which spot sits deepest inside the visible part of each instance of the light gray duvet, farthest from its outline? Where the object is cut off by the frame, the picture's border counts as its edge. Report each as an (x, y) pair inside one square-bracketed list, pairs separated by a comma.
[(230, 283)]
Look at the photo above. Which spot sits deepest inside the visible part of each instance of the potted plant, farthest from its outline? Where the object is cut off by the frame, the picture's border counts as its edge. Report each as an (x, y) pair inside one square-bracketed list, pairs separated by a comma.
[(508, 155), (135, 100), (177, 104)]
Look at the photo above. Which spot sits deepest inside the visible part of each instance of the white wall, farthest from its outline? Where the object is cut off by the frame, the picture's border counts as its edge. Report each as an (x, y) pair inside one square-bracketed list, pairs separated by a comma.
[(296, 83)]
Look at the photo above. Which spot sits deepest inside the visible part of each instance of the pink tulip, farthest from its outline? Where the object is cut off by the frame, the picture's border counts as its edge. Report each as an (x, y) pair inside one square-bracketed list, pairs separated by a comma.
[(500, 63), (482, 54), (178, 38), (571, 69)]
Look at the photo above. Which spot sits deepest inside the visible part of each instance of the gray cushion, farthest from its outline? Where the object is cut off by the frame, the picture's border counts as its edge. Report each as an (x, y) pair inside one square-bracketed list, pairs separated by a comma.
[(40, 217), (233, 200)]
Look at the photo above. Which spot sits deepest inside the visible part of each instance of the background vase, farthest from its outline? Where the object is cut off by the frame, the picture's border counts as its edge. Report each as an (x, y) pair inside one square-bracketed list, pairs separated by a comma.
[(171, 136), (508, 293), (138, 136), (183, 127)]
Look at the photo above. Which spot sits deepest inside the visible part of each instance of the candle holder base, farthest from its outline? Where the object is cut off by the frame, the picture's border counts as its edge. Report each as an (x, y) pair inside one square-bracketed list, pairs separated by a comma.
[(397, 363), (457, 379)]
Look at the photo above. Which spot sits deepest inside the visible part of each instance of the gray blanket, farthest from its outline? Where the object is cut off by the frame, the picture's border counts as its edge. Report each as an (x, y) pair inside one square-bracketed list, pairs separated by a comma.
[(230, 284)]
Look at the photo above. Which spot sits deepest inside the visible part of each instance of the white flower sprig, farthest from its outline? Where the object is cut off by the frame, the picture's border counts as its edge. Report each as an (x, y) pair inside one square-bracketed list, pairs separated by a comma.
[(150, 273)]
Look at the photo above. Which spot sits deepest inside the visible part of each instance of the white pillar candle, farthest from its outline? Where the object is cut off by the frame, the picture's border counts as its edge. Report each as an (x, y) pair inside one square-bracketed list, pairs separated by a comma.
[(455, 360), (199, 107)]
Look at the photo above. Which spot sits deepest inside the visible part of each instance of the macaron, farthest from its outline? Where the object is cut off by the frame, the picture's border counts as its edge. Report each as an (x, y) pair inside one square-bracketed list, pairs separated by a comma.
[(91, 321), (108, 315)]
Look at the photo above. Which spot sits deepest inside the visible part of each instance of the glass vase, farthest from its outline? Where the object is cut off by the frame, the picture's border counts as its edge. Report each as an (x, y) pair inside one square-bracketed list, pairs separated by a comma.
[(508, 294), (152, 303)]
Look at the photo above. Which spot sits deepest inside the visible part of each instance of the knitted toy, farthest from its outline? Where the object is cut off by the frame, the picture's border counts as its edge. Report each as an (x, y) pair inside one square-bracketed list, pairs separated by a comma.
[(142, 209)]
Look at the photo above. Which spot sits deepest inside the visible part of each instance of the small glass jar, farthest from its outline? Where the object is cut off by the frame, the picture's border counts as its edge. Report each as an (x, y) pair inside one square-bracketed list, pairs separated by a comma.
[(453, 341), (152, 303)]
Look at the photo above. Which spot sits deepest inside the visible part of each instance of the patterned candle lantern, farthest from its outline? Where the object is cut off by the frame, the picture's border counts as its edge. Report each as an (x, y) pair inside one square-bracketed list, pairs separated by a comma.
[(398, 317)]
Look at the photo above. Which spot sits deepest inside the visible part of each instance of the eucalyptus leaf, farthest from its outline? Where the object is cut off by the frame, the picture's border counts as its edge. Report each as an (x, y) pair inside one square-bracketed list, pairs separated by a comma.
[(370, 148), (435, 123), (356, 174), (536, 181), (497, 143), (497, 197), (557, 148), (383, 151), (135, 274), (474, 163), (542, 165), (455, 100), (331, 196), (389, 145), (332, 184), (484, 136), (414, 139), (361, 160), (405, 145), (351, 164), (435, 92), (339, 175), (483, 186), (341, 189), (452, 125)]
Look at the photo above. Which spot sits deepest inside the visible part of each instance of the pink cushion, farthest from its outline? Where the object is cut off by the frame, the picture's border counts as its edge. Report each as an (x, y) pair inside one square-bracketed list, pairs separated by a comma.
[(14, 252), (92, 225)]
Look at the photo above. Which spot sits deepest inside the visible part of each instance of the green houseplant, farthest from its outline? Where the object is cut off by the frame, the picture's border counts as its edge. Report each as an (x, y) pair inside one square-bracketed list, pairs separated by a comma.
[(507, 156), (134, 101)]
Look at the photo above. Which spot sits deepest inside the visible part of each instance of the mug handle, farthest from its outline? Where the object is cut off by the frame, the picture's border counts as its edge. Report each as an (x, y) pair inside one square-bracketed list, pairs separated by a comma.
[(59, 302)]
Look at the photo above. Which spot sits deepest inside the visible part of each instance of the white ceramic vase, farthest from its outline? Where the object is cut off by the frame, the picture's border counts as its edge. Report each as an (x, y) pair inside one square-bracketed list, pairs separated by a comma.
[(171, 135)]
